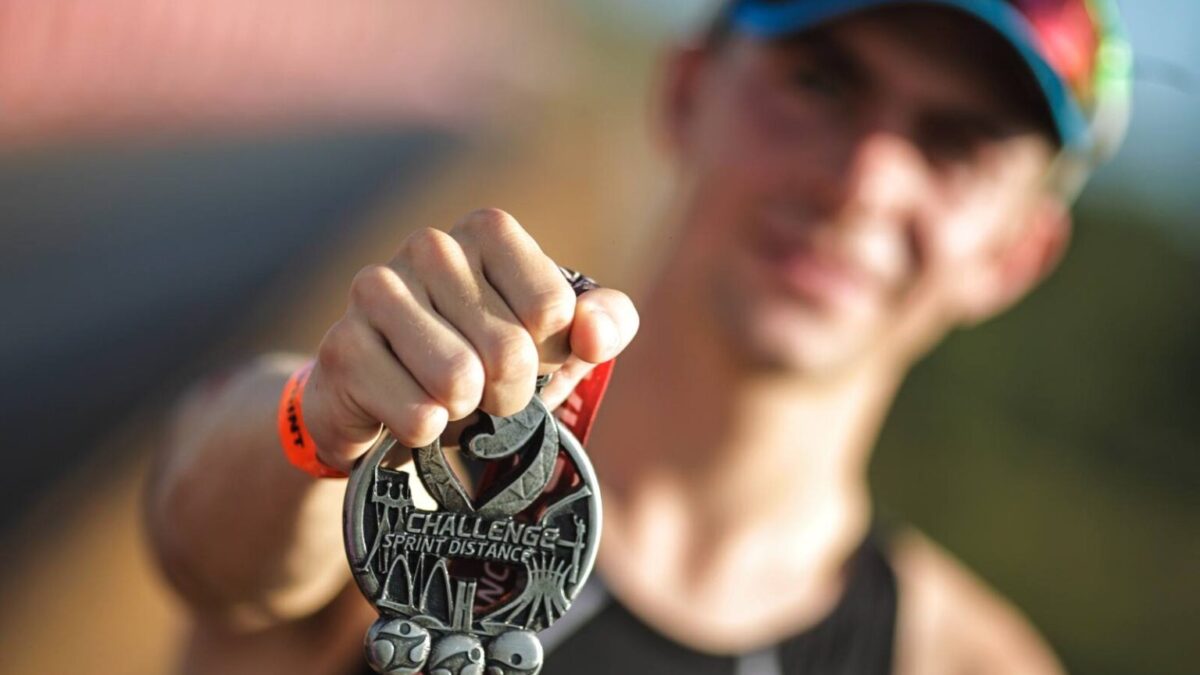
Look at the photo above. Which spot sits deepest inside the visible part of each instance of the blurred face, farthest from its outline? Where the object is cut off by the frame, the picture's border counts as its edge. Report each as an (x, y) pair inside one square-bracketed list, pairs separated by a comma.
[(856, 191)]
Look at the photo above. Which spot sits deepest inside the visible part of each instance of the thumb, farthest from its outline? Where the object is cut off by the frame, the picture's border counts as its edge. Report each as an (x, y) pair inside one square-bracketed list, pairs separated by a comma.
[(605, 321)]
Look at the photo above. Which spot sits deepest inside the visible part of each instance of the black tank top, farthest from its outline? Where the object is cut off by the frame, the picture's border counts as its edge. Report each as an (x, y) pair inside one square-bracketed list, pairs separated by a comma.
[(598, 636)]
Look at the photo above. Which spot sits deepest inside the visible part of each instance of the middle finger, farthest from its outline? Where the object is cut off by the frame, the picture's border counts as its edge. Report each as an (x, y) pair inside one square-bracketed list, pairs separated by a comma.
[(458, 291)]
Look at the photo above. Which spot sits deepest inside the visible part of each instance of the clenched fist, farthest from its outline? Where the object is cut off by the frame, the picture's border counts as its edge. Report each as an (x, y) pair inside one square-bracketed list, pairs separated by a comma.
[(455, 322)]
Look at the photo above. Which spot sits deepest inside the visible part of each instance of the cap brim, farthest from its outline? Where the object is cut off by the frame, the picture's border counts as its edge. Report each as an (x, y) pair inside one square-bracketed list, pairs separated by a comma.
[(770, 20)]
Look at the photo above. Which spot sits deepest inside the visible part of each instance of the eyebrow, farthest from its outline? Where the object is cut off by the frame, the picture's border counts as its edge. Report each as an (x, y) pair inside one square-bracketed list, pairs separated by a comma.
[(828, 53), (977, 123), (823, 48)]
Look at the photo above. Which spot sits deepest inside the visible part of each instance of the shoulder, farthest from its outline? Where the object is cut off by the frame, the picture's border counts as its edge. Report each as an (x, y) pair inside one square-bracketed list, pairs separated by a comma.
[(949, 621)]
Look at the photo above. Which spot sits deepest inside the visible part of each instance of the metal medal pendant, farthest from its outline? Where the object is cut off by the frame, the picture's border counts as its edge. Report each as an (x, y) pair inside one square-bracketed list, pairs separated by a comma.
[(463, 584)]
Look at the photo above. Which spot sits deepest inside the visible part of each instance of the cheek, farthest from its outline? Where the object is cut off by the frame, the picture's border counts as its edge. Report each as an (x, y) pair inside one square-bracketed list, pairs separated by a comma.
[(959, 258), (736, 169), (747, 137), (969, 227), (721, 190), (962, 240)]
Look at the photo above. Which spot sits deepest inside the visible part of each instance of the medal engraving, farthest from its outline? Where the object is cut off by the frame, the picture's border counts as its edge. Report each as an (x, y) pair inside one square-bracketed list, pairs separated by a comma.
[(463, 587)]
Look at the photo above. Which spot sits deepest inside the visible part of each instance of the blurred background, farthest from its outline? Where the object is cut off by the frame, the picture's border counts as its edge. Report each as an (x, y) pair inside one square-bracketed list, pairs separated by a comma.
[(185, 185)]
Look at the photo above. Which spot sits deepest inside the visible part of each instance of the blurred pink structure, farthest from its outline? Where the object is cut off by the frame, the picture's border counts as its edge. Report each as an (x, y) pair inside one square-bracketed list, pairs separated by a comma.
[(79, 68)]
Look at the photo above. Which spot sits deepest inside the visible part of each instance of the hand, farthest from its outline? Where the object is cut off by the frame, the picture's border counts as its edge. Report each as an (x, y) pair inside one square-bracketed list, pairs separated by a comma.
[(455, 322)]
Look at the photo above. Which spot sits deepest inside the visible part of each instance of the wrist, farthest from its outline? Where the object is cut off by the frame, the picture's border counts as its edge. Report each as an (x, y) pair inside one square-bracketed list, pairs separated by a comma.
[(294, 434)]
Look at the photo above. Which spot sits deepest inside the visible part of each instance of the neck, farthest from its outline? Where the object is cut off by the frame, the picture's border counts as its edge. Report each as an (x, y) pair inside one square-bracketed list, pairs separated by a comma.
[(731, 470)]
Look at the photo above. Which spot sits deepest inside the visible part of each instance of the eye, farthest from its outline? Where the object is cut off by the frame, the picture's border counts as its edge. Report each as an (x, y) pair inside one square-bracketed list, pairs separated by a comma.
[(951, 141), (809, 78)]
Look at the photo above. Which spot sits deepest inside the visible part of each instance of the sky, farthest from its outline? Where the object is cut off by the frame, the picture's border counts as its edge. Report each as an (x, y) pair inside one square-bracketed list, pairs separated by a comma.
[(1161, 155)]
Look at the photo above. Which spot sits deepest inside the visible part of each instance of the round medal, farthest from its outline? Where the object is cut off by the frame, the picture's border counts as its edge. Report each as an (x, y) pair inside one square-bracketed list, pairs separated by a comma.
[(465, 578)]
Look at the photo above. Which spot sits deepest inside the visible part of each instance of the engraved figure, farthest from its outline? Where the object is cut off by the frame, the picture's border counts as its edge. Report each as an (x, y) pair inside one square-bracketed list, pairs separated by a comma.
[(457, 654), (396, 647), (517, 652)]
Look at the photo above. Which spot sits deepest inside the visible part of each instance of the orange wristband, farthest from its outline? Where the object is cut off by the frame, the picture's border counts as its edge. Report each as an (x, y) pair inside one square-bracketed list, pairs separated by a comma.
[(299, 447)]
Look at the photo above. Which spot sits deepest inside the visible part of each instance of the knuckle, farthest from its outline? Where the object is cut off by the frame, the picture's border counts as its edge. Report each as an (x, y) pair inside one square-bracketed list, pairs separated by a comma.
[(429, 244), (489, 223), (372, 284), (339, 348)]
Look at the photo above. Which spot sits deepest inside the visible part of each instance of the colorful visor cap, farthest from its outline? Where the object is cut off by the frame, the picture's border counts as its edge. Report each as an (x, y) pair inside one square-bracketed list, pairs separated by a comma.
[(1075, 49)]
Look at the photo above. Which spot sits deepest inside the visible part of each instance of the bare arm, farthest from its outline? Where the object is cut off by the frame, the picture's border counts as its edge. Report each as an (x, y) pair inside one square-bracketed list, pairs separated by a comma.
[(245, 537), (453, 323)]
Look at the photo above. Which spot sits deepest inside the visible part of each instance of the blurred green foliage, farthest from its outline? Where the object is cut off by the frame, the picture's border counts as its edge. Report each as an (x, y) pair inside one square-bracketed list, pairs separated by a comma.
[(1054, 449)]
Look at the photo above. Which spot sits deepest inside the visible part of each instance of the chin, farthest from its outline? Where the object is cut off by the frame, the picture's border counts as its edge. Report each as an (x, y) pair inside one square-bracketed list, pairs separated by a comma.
[(784, 332), (799, 343)]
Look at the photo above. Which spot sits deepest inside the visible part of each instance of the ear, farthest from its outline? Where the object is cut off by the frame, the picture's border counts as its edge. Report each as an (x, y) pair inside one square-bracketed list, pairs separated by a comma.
[(677, 96), (1021, 263)]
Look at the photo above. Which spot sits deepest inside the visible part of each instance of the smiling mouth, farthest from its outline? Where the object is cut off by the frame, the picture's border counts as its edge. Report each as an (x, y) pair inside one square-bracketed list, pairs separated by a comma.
[(803, 272)]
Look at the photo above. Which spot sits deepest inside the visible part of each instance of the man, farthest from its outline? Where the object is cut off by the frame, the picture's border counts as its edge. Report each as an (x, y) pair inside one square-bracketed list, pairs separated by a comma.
[(855, 179)]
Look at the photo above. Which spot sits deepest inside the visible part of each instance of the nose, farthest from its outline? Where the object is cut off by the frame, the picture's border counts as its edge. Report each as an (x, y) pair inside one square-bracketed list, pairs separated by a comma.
[(884, 177)]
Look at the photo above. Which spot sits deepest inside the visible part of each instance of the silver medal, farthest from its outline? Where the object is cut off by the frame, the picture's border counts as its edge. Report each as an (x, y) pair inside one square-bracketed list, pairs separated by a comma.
[(463, 584)]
